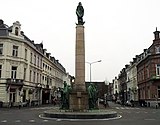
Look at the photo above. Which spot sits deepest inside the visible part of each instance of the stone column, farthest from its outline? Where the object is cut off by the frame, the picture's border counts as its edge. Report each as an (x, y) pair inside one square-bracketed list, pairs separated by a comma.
[(80, 59), (79, 97)]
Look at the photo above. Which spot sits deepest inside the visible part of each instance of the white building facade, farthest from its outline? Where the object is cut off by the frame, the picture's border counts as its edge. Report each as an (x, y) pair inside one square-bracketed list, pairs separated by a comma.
[(115, 88), (132, 87), (27, 72)]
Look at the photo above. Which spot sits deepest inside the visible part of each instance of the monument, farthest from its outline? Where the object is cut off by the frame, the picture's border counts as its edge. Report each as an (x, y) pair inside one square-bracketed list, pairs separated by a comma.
[(79, 97), (77, 107)]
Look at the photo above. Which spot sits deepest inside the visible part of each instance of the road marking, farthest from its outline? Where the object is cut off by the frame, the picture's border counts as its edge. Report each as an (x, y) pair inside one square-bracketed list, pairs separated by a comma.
[(45, 120), (149, 119), (18, 121), (4, 121), (58, 120), (126, 108), (32, 120)]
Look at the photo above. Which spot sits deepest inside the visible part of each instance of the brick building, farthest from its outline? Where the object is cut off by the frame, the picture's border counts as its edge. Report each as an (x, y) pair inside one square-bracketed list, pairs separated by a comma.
[(148, 74)]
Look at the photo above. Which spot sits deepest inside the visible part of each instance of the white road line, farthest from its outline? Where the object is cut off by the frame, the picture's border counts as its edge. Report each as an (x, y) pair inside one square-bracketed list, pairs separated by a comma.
[(32, 120), (18, 121), (45, 120), (128, 108), (149, 119), (4, 121)]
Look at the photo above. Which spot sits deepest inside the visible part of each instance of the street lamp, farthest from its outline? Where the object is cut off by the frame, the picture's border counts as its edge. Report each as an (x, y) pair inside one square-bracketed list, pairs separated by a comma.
[(90, 63)]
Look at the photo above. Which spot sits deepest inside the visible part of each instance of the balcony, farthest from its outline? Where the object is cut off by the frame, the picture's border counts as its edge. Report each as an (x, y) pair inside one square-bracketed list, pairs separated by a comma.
[(155, 77), (15, 81)]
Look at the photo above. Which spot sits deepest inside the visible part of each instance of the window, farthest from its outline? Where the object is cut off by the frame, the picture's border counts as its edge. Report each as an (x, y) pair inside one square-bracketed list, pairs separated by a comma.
[(37, 77), (115, 86), (41, 62), (34, 59), (46, 67), (31, 58), (38, 61), (147, 72), (50, 81), (43, 66), (24, 77), (1, 49), (16, 31), (30, 75), (148, 89), (40, 77), (26, 54), (14, 72), (0, 71), (15, 51), (158, 69), (157, 49), (34, 76)]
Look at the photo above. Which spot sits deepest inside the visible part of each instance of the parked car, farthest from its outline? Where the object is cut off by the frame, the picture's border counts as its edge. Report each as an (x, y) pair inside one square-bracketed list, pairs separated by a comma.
[(118, 101), (101, 101), (128, 103)]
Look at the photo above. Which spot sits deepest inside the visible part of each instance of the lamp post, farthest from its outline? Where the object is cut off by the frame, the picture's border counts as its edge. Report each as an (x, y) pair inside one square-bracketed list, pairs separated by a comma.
[(90, 64)]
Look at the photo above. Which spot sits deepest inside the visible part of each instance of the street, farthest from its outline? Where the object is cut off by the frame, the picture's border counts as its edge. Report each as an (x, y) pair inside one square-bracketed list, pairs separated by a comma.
[(130, 116)]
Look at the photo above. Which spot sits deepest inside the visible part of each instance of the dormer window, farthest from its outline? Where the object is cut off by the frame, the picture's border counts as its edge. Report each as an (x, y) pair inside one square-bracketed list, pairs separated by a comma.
[(16, 31)]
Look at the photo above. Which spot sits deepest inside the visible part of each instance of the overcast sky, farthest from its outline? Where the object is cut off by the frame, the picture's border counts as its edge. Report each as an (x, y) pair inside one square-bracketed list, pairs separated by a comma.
[(115, 30)]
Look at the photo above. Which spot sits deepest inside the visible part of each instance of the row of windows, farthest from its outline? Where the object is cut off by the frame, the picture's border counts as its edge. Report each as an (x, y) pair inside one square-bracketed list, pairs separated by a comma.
[(141, 74), (34, 59), (34, 77), (15, 54), (147, 93), (14, 50)]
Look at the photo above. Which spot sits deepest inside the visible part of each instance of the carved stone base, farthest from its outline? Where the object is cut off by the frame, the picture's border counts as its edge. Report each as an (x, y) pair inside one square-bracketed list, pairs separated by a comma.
[(78, 101)]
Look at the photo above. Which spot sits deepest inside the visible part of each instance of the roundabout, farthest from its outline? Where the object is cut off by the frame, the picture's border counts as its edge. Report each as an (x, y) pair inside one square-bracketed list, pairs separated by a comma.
[(85, 115)]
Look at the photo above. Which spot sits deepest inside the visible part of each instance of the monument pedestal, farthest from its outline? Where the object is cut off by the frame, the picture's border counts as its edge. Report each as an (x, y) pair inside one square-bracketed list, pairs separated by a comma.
[(78, 101)]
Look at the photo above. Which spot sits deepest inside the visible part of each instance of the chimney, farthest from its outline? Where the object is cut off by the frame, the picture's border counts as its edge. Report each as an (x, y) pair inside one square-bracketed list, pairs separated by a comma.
[(1, 21), (156, 34)]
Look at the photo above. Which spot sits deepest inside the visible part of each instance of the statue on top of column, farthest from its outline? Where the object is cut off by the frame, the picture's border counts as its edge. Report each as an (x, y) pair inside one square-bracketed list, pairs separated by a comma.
[(80, 13)]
